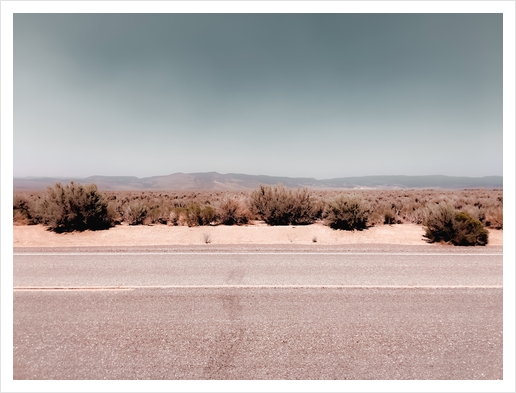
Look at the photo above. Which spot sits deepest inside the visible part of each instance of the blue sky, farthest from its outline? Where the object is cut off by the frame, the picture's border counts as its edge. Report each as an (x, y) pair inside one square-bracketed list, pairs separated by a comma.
[(312, 95)]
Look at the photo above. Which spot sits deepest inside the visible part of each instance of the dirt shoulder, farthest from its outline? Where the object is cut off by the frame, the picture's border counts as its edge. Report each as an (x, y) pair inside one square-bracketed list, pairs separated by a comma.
[(163, 235)]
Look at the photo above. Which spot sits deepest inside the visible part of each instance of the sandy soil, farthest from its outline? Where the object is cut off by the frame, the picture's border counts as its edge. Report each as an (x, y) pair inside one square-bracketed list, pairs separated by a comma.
[(162, 235)]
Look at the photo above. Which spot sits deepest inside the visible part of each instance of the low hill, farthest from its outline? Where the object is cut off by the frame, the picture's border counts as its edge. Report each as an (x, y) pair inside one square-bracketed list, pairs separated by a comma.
[(236, 181)]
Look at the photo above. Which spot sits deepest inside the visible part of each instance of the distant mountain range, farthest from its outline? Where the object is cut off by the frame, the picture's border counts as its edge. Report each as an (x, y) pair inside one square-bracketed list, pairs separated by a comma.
[(236, 181)]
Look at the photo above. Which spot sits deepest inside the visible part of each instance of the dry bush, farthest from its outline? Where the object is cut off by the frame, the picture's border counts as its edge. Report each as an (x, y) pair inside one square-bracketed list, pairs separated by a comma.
[(198, 215), (74, 208), (232, 211), (475, 211), (277, 205), (494, 217), (23, 211), (158, 214), (115, 212), (20, 218), (348, 212), (284, 207), (178, 216), (439, 222), (445, 223), (469, 231), (414, 214), (135, 213), (382, 215), (192, 215)]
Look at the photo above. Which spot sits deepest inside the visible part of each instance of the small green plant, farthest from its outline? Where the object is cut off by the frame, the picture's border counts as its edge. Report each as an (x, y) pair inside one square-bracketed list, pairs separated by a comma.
[(446, 224), (74, 208), (348, 212)]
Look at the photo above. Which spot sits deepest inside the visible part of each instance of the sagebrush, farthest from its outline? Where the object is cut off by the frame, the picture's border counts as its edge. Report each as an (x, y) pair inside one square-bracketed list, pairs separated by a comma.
[(348, 212), (445, 223), (232, 211), (277, 205), (135, 213), (74, 207), (235, 207), (24, 211)]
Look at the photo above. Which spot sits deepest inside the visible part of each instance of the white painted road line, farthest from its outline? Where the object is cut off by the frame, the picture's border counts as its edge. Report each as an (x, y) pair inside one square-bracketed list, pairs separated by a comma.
[(250, 253), (131, 287)]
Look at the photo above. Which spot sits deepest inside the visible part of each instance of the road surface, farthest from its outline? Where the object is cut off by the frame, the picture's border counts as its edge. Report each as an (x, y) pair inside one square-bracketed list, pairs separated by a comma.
[(259, 315)]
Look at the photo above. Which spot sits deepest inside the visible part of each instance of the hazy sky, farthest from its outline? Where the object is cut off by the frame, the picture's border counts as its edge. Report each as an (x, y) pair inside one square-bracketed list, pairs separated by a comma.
[(316, 95)]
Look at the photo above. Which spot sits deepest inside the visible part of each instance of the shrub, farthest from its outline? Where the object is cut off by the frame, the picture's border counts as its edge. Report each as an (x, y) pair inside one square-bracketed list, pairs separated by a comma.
[(23, 211), (476, 212), (157, 215), (303, 209), (381, 215), (494, 217), (197, 215), (388, 217), (135, 213), (446, 224), (231, 211), (278, 206), (346, 212), (74, 208), (439, 222), (178, 216), (114, 212), (469, 231), (414, 213)]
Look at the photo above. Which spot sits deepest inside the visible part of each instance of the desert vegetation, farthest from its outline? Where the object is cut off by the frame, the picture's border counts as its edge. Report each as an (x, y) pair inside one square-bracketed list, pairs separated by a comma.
[(346, 212), (77, 207), (444, 223), (277, 205), (67, 208)]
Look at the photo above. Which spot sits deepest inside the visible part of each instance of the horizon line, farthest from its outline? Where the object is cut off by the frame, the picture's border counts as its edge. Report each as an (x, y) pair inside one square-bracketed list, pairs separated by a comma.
[(245, 174)]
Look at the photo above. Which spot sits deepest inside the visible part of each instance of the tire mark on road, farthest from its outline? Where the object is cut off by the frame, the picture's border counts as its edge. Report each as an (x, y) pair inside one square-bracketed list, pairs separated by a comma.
[(228, 341)]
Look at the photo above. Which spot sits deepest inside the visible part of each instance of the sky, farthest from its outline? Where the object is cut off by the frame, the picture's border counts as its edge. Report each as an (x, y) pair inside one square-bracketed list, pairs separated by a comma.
[(299, 95)]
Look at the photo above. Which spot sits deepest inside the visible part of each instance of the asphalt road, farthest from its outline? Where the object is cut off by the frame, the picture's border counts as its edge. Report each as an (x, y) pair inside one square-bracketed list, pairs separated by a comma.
[(256, 268), (265, 315)]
